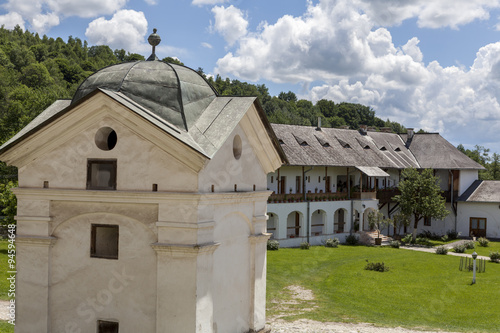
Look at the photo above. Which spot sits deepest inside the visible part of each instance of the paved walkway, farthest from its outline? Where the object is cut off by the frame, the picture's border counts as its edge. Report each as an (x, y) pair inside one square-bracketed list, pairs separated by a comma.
[(4, 310), (448, 246)]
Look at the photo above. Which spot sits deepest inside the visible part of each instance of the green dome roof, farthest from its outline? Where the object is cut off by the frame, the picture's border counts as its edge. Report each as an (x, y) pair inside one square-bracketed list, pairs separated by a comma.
[(175, 93)]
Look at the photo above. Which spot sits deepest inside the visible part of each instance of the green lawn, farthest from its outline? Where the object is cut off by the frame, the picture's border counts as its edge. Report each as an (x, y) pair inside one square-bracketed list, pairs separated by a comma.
[(421, 290), (485, 251)]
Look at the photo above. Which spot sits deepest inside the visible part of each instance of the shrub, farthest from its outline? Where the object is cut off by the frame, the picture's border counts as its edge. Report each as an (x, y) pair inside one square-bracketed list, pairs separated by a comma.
[(351, 240), (407, 239), (452, 234), (444, 238), (495, 256), (376, 266), (305, 246), (422, 241), (441, 250), (429, 235), (459, 248), (470, 245), (395, 244), (273, 245), (332, 242), (483, 242)]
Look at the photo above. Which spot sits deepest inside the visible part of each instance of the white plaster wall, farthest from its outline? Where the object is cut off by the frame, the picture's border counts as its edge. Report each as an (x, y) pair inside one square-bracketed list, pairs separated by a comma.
[(443, 179), (224, 170), (139, 163), (84, 289), (232, 284), (490, 211), (467, 177), (283, 210), (314, 178), (439, 227)]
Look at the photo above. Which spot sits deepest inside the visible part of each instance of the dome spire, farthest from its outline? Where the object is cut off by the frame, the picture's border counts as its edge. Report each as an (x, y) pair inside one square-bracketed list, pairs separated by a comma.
[(153, 39)]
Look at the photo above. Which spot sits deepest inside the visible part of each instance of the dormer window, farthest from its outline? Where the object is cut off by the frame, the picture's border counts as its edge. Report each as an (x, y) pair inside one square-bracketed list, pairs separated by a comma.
[(281, 142), (323, 142), (343, 143), (301, 141), (101, 174), (397, 149), (383, 148)]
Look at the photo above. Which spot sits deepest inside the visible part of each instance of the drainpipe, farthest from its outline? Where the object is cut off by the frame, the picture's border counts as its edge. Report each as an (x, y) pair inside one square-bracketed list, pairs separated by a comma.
[(308, 221), (351, 230), (451, 198)]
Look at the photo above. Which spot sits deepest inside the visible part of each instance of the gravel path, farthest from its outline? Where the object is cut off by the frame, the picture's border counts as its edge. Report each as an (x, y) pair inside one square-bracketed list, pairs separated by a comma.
[(4, 310), (310, 326)]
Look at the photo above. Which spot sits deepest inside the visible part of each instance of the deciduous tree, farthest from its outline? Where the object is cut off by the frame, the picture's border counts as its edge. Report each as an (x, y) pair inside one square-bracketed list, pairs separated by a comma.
[(421, 196)]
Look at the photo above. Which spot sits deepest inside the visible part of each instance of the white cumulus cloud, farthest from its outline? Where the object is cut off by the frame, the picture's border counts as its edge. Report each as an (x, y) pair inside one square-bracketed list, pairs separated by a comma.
[(126, 29), (344, 51), (10, 20), (230, 22), (44, 14), (207, 2)]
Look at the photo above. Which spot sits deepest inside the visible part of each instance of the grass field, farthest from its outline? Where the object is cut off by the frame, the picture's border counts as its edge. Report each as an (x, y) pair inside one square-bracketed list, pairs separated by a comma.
[(421, 290), (485, 251)]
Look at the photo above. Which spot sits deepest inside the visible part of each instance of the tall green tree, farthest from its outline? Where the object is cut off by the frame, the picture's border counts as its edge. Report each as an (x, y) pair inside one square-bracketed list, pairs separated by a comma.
[(8, 203), (421, 196)]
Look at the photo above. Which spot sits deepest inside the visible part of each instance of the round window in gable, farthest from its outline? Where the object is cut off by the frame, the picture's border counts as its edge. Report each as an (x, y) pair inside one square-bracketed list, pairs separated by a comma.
[(106, 138), (237, 147)]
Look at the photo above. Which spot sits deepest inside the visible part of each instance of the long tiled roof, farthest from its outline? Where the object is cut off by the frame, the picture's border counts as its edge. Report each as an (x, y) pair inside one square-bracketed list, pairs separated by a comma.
[(433, 151), (306, 145)]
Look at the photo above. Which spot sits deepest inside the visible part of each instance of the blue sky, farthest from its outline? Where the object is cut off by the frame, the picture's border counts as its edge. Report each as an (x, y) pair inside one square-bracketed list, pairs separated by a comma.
[(426, 64)]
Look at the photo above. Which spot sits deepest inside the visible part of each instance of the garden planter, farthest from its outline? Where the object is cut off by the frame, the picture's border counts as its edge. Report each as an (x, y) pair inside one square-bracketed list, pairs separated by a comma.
[(378, 241)]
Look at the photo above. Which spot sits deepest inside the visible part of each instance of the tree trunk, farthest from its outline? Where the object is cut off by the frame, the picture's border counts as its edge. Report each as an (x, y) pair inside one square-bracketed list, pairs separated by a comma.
[(415, 226)]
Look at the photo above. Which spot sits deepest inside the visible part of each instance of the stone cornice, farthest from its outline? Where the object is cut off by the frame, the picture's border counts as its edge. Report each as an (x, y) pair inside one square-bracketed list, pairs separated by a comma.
[(139, 196), (35, 240), (255, 239), (33, 218), (181, 250)]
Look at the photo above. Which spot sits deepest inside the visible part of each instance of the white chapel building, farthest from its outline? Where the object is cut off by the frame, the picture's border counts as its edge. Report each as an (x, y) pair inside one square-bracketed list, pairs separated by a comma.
[(142, 207)]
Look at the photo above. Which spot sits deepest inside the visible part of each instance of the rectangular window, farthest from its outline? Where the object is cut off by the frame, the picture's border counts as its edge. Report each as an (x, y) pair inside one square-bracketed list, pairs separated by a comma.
[(298, 184), (104, 241), (427, 221), (107, 326), (101, 174)]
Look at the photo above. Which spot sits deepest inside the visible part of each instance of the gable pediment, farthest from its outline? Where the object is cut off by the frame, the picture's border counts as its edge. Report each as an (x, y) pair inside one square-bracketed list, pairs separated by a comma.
[(82, 117)]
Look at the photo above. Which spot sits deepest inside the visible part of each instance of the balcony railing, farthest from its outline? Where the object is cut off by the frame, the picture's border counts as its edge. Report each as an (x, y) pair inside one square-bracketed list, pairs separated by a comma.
[(299, 197), (386, 195)]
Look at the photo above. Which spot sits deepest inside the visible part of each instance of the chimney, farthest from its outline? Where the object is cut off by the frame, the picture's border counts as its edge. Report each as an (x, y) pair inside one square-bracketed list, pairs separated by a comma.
[(410, 132), (363, 129), (319, 124)]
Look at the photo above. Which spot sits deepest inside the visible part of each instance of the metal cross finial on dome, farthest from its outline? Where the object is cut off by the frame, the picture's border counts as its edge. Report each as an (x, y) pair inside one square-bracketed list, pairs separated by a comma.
[(153, 39)]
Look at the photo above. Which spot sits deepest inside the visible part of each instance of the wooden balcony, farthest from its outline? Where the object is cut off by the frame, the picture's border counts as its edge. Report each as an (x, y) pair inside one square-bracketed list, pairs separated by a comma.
[(386, 195), (299, 197), (447, 195), (365, 195)]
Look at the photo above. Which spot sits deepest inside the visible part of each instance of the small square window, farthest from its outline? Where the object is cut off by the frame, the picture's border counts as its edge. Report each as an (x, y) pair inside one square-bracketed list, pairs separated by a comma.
[(104, 241), (107, 326), (427, 221), (101, 175)]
